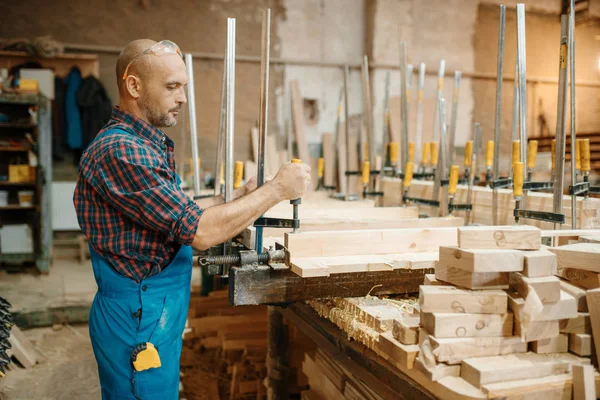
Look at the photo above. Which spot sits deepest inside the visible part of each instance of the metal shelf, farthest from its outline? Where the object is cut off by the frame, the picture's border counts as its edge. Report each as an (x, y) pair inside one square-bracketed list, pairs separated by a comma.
[(16, 207)]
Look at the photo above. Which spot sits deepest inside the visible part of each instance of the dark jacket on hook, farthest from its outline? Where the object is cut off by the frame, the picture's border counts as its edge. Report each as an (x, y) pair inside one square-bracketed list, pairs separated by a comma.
[(95, 107)]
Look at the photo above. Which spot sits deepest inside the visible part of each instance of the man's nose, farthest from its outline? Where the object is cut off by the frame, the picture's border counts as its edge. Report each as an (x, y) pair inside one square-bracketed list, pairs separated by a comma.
[(181, 99)]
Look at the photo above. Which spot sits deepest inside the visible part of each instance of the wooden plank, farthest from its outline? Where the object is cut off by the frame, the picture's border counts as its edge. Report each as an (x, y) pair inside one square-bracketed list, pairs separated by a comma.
[(584, 256), (328, 160), (471, 280), (521, 237), (370, 241), (577, 292), (406, 330), (580, 344), (455, 350), (438, 372), (539, 263), (452, 325), (565, 308), (547, 288), (486, 370), (262, 285), (536, 330), (593, 302), (584, 385), (553, 387), (22, 349), (482, 260), (556, 344), (585, 279), (403, 354), (298, 118), (449, 299), (579, 324)]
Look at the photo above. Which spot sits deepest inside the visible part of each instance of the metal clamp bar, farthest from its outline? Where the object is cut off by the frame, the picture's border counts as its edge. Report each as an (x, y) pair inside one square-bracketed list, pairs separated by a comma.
[(498, 113), (540, 216), (460, 207), (579, 188), (538, 185), (501, 183), (425, 202), (193, 127), (266, 222)]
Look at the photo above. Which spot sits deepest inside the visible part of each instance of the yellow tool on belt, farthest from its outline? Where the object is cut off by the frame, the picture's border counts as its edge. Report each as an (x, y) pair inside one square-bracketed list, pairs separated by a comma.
[(145, 356), (237, 174)]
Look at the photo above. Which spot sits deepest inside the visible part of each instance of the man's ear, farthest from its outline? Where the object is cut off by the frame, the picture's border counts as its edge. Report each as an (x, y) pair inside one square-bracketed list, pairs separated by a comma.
[(133, 85)]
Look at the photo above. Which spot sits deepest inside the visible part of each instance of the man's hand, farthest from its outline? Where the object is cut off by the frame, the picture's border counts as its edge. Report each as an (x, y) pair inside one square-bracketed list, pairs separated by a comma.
[(292, 180)]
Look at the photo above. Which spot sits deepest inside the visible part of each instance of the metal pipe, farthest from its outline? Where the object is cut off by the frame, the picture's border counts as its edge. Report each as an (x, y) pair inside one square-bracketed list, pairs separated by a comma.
[(573, 126), (440, 170), (561, 117), (476, 142), (229, 160), (515, 120), (453, 116), (385, 140), (347, 129), (439, 94), (368, 111), (522, 63), (498, 114), (403, 107), (419, 127), (193, 132), (220, 138)]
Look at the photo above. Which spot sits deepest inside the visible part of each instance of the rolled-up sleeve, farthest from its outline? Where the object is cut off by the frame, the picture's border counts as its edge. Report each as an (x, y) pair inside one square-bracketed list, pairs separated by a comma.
[(134, 180)]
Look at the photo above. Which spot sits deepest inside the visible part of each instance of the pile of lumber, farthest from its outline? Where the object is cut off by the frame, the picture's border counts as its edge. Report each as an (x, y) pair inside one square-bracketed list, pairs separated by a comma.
[(588, 214)]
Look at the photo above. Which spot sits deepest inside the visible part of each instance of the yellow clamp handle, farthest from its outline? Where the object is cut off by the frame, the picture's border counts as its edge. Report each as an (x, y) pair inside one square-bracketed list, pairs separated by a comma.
[(408, 175), (434, 153), (296, 161), (366, 172), (516, 151), (426, 153), (585, 155), (489, 154), (393, 152), (366, 151), (468, 153), (411, 152), (238, 172), (532, 148), (518, 179), (453, 180), (320, 167), (222, 179), (553, 150), (578, 154)]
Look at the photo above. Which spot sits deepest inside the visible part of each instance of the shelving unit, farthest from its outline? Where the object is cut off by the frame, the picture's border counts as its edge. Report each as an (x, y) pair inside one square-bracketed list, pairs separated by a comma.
[(16, 107)]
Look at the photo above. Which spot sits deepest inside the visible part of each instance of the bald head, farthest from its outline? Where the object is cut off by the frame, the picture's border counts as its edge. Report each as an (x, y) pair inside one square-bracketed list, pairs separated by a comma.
[(154, 88)]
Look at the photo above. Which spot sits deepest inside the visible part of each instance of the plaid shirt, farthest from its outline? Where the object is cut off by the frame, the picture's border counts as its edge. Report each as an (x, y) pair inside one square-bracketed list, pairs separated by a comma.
[(128, 200)]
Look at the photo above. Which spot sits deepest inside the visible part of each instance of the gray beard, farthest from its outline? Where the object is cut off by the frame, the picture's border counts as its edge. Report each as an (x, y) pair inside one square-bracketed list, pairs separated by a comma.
[(157, 119)]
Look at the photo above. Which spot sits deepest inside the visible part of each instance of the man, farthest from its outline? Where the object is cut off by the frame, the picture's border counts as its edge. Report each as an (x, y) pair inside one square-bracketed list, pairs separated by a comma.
[(140, 226)]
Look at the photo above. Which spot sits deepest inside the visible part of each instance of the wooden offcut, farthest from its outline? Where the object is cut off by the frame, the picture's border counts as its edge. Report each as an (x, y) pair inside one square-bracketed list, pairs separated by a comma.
[(539, 263), (547, 288), (577, 292), (449, 299), (406, 330), (471, 280), (593, 302), (585, 256), (452, 325), (439, 371), (22, 349), (455, 350), (536, 330), (580, 324), (584, 385), (556, 344), (481, 260), (580, 344), (400, 353), (521, 237), (430, 280), (565, 308), (580, 277)]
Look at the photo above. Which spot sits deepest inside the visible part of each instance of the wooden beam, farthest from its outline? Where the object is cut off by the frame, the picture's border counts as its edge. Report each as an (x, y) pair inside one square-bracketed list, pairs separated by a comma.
[(262, 285), (371, 241), (482, 260), (547, 288), (566, 307), (593, 302), (584, 256), (438, 372), (521, 237), (539, 263), (586, 279), (400, 353), (449, 299), (581, 344), (579, 324), (452, 325), (471, 280), (556, 344), (578, 293), (536, 330), (584, 384), (455, 350), (406, 330)]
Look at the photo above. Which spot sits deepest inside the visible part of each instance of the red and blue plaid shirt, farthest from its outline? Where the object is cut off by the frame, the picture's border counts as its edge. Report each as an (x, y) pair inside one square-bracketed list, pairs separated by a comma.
[(128, 200)]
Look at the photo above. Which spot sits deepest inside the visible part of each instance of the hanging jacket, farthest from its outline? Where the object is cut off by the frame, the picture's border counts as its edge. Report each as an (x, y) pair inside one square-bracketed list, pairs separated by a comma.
[(95, 107), (74, 137)]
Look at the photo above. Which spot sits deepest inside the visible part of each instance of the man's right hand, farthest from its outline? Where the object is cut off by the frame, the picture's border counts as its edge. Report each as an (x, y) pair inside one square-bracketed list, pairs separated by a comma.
[(292, 180)]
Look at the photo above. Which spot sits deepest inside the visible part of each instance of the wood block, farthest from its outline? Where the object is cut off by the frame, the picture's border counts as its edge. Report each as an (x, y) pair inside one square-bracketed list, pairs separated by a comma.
[(404, 355), (406, 330), (482, 260), (584, 385), (585, 279), (486, 370), (580, 344), (22, 349), (577, 292), (593, 302), (553, 387), (438, 372), (451, 325), (449, 299), (580, 324), (454, 350), (521, 237), (547, 288), (565, 308), (539, 263), (584, 256), (536, 330), (471, 280), (556, 344), (430, 280)]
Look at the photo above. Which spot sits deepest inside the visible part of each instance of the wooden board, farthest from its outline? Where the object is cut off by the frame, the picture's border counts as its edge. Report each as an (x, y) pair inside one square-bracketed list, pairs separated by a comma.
[(556, 344), (584, 385), (584, 256), (522, 237), (22, 349), (593, 302), (449, 299), (451, 325), (580, 344), (536, 330), (298, 118), (539, 263), (455, 350), (577, 292), (579, 324), (438, 372), (553, 387), (406, 330), (370, 241), (481, 260), (471, 280), (328, 160), (400, 353), (547, 288), (580, 277), (565, 308), (485, 370)]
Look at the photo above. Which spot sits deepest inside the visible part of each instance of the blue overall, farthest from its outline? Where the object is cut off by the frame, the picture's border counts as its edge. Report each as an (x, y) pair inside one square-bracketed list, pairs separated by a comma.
[(125, 313)]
